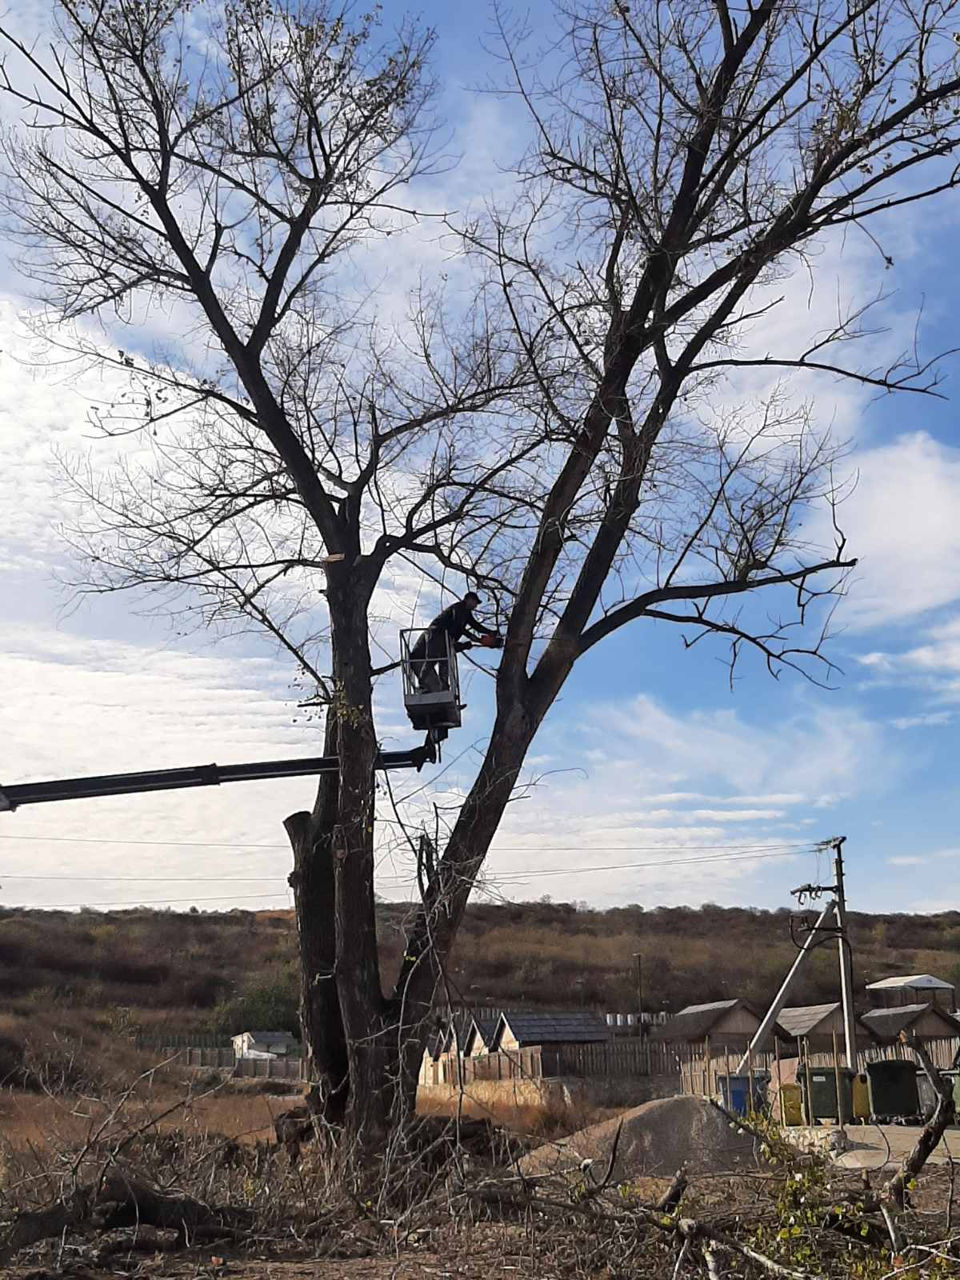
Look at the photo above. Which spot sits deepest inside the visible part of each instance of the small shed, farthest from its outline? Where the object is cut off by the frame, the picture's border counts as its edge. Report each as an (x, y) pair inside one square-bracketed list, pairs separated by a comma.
[(925, 1020), (912, 989), (731, 1023), (258, 1044), (566, 1026), (815, 1023)]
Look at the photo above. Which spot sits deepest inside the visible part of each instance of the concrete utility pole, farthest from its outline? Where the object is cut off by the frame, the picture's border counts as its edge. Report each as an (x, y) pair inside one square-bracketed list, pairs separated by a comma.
[(639, 959), (846, 958), (814, 937)]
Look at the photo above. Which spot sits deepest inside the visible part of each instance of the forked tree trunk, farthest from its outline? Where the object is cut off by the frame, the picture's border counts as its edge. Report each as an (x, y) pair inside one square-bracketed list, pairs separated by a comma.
[(312, 881), (357, 956)]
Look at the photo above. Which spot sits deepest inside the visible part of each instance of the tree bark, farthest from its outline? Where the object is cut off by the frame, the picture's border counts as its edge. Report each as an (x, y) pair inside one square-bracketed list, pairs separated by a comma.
[(312, 881), (357, 963), (438, 920)]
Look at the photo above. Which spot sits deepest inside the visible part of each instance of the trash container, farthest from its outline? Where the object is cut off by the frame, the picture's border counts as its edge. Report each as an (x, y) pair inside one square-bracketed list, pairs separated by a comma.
[(953, 1075), (822, 1103), (735, 1092), (928, 1095), (789, 1102), (893, 1090), (861, 1096)]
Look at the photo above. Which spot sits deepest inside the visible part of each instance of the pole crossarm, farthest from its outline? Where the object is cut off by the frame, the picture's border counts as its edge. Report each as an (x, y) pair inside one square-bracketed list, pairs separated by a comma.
[(202, 775)]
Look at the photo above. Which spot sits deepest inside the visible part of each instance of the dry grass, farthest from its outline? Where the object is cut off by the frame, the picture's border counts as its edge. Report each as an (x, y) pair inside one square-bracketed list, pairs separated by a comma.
[(530, 1120), (44, 1122)]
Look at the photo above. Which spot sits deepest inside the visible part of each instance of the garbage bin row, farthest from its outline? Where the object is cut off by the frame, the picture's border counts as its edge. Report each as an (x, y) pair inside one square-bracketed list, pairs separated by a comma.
[(886, 1092)]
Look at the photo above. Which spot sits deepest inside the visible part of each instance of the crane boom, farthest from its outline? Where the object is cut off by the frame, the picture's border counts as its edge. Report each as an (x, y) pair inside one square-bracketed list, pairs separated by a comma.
[(201, 775)]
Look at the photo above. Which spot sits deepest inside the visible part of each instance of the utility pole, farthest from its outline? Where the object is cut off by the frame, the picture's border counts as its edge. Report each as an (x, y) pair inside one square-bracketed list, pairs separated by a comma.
[(639, 959), (846, 957), (768, 1025)]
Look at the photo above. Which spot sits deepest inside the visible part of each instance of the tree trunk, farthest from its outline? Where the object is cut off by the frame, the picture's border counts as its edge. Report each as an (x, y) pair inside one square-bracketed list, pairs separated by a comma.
[(312, 881), (357, 961), (438, 920)]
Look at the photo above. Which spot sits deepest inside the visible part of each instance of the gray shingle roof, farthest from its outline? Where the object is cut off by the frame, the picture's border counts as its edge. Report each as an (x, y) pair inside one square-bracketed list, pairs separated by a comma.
[(697, 1020), (803, 1019), (565, 1026), (273, 1037), (886, 1024)]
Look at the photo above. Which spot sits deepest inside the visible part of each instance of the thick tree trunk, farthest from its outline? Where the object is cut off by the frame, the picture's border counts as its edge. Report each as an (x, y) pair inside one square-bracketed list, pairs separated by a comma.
[(312, 881), (357, 964), (435, 928)]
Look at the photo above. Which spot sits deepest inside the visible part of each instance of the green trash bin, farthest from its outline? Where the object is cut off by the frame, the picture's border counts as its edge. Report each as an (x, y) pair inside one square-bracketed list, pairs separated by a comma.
[(822, 1102), (953, 1075), (893, 1090), (926, 1094)]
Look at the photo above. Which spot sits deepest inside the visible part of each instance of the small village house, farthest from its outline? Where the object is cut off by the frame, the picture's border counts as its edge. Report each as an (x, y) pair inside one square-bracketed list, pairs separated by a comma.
[(926, 1021), (548, 1030), (266, 1044), (817, 1024), (729, 1024)]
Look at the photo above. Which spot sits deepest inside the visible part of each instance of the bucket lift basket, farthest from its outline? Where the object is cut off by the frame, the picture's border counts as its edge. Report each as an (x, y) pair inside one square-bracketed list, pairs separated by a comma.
[(431, 685)]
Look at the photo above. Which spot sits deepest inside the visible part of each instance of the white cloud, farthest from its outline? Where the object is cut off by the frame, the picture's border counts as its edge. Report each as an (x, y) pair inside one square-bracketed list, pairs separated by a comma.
[(933, 666), (572, 824), (902, 524), (926, 720), (74, 706)]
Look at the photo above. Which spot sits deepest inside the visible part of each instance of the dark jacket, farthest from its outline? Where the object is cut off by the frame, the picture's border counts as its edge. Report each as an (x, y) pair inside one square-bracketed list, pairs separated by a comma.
[(455, 621)]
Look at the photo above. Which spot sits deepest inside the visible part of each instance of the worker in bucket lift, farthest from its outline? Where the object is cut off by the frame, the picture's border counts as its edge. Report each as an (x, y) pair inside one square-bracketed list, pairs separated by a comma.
[(456, 621)]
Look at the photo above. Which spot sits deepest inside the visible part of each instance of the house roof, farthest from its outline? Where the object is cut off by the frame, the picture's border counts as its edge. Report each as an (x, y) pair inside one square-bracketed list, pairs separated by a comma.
[(270, 1037), (921, 981), (485, 1027), (886, 1024), (697, 1020), (563, 1026), (459, 1023), (804, 1018)]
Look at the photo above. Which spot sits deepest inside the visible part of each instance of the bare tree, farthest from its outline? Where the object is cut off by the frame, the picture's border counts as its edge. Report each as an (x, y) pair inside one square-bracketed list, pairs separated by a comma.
[(564, 439)]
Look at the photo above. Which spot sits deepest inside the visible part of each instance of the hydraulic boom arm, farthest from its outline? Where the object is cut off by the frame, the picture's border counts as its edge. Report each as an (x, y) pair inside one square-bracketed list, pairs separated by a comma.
[(202, 775)]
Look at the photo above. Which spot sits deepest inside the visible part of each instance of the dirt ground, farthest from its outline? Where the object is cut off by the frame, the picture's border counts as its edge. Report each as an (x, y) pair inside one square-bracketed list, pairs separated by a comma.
[(878, 1146), (308, 1269), (491, 1251)]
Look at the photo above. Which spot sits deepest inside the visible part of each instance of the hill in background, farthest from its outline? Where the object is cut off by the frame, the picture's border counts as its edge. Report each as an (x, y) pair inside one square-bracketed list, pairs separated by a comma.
[(219, 972)]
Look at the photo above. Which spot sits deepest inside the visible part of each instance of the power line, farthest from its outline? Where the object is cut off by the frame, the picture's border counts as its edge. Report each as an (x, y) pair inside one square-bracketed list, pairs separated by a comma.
[(519, 876), (540, 848), (504, 876)]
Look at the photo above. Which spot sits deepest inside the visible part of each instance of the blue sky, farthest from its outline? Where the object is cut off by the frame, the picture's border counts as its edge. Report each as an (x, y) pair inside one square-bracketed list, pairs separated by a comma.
[(648, 758)]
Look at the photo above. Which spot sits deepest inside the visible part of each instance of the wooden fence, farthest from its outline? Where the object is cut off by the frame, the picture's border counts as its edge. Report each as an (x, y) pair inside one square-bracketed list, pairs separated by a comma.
[(614, 1060), (167, 1040), (227, 1061), (696, 1068), (701, 1068)]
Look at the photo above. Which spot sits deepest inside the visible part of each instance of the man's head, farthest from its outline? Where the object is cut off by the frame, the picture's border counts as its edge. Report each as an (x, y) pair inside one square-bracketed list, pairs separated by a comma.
[(471, 600)]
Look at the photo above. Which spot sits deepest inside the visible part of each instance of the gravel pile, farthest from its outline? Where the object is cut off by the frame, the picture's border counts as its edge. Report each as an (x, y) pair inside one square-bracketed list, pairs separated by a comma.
[(656, 1139)]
